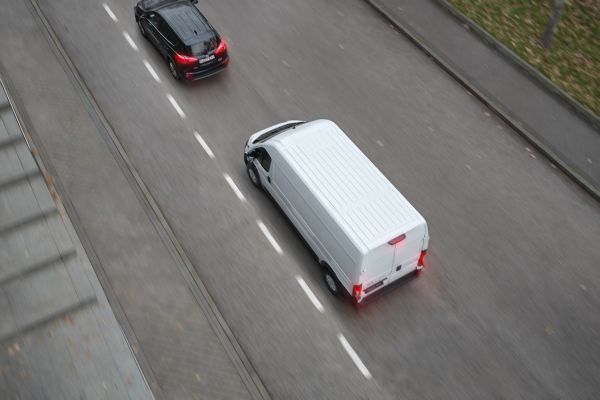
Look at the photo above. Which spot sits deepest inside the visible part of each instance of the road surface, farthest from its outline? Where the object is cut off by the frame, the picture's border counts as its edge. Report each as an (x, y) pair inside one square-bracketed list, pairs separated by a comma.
[(508, 304)]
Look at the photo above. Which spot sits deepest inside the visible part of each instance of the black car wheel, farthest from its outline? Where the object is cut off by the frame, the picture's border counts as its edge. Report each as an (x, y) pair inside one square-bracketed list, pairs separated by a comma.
[(141, 26), (173, 70)]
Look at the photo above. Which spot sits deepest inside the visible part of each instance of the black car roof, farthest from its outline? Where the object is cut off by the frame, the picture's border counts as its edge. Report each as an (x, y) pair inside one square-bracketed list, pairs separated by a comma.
[(152, 5), (187, 22)]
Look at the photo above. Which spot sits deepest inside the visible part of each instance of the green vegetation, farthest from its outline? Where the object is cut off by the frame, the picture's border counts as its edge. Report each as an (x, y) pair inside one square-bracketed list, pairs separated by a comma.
[(573, 60)]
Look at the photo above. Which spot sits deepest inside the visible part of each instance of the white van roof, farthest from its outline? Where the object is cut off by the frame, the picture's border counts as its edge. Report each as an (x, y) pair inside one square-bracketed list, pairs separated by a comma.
[(360, 198)]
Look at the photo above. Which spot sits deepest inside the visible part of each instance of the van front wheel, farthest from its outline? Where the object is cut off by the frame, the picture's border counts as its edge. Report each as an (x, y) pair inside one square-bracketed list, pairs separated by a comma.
[(333, 285), (253, 175)]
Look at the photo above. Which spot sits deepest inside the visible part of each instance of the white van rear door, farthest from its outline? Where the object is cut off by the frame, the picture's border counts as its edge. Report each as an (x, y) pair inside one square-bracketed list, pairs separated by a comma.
[(407, 252), (377, 266)]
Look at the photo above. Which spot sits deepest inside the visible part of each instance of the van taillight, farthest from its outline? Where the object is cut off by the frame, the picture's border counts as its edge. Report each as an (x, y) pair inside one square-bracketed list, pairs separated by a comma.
[(397, 240), (422, 258), (357, 291)]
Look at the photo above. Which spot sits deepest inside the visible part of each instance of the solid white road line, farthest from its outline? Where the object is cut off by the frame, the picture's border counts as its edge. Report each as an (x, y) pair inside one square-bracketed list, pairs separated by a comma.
[(204, 146), (152, 71), (234, 187), (269, 237), (176, 106), (310, 294), (109, 12), (354, 356), (130, 41)]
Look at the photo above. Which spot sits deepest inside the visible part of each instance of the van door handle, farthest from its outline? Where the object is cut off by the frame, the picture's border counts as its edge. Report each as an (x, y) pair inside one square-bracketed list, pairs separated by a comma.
[(269, 179)]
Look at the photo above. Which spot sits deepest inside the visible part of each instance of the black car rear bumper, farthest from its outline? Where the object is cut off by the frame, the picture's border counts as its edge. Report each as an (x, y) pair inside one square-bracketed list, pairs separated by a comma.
[(195, 74)]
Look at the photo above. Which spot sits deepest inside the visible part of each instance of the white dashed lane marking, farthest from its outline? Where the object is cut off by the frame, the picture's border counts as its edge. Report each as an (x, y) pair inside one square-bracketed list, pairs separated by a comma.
[(310, 294), (234, 187), (269, 237), (204, 146), (152, 71), (109, 12), (130, 41), (176, 106), (359, 364)]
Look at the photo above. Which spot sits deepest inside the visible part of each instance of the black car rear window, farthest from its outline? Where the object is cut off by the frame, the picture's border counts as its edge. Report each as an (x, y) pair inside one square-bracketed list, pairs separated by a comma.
[(210, 43)]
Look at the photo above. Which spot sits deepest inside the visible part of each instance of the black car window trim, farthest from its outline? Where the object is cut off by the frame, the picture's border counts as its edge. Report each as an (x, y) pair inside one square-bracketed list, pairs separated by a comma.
[(168, 31), (268, 135), (162, 34)]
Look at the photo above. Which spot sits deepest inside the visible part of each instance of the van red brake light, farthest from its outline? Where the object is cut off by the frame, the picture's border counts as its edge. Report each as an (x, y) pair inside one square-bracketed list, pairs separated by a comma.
[(397, 240), (357, 291), (182, 59), (422, 258), (222, 48)]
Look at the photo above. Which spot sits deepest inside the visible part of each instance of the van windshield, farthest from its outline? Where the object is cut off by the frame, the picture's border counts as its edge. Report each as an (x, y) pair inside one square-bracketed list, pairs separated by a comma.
[(267, 135)]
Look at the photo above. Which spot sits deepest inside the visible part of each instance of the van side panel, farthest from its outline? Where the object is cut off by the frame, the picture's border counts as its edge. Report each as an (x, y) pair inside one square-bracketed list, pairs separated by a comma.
[(283, 186), (320, 230)]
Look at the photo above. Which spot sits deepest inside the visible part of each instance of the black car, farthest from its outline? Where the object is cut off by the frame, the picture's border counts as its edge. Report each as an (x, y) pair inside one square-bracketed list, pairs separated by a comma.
[(188, 42)]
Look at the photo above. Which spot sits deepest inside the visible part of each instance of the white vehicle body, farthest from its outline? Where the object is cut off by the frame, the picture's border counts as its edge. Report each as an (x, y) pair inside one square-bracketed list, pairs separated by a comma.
[(354, 219)]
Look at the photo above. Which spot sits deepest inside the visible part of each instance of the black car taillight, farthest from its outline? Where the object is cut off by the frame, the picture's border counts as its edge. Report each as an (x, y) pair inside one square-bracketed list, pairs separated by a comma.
[(183, 60), (222, 48)]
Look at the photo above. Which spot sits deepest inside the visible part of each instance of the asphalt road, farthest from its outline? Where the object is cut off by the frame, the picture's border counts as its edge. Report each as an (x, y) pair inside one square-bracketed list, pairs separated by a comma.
[(508, 304)]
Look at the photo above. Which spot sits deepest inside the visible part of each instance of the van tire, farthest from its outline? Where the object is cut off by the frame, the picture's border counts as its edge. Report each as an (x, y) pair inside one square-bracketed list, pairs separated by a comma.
[(331, 281), (253, 175)]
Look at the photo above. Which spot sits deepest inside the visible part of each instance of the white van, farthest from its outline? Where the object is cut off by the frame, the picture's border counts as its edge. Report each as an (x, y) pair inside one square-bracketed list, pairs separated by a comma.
[(364, 232)]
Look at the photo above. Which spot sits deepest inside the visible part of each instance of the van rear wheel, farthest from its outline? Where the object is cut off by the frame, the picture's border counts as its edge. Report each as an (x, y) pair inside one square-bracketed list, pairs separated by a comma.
[(332, 283), (253, 175)]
